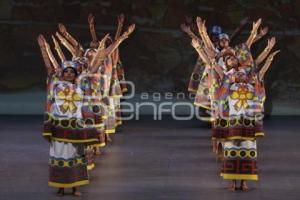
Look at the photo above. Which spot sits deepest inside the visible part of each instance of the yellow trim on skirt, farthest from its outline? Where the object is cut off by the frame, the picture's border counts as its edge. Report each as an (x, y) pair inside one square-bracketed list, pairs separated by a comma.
[(74, 141), (259, 134), (103, 144), (253, 177), (110, 131), (116, 96), (91, 166), (47, 134), (68, 185), (118, 123)]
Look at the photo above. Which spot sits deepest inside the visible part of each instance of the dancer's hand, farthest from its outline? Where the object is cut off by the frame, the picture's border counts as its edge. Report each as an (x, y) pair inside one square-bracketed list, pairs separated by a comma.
[(256, 24), (102, 42), (121, 19), (199, 23), (91, 19), (244, 21), (188, 19), (41, 40), (271, 42), (185, 28), (199, 20), (266, 66), (195, 43), (130, 29), (62, 28), (272, 55)]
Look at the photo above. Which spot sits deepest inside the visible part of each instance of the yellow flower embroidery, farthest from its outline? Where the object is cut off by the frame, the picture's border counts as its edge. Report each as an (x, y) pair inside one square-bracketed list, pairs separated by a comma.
[(242, 95), (243, 54), (69, 96)]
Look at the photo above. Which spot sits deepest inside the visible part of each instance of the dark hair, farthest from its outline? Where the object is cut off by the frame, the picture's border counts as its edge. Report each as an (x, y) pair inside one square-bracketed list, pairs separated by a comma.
[(230, 56), (108, 42), (74, 70)]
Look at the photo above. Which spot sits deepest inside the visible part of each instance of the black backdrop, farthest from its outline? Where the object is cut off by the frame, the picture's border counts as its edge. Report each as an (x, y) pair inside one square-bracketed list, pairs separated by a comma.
[(158, 57)]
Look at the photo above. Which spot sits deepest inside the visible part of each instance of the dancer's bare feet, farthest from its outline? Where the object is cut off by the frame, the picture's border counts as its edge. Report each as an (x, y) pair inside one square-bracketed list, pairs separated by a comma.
[(108, 139), (220, 152), (60, 192), (214, 146), (244, 186), (233, 186), (76, 192), (97, 151)]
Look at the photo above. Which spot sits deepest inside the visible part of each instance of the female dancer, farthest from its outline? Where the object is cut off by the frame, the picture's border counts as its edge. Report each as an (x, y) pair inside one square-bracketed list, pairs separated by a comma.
[(112, 73), (198, 81), (65, 126), (239, 95)]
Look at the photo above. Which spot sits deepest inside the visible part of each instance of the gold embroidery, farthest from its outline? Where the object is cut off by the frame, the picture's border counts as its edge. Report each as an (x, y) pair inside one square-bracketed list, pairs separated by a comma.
[(242, 95), (70, 97)]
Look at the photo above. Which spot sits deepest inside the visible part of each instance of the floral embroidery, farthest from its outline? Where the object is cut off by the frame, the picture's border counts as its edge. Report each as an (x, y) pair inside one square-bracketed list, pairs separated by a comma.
[(242, 94), (70, 97)]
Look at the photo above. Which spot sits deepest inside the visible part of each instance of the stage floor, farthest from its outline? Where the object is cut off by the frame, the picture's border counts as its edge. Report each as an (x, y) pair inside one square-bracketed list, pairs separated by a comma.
[(151, 160)]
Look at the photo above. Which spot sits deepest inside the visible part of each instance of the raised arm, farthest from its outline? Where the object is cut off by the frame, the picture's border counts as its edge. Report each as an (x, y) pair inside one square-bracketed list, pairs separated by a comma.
[(190, 33), (101, 55), (203, 33), (253, 33), (208, 56), (91, 21), (58, 50), (124, 36), (41, 42), (262, 56), (121, 19), (213, 62), (55, 65), (200, 50), (237, 31), (71, 49), (100, 49), (217, 67), (71, 39), (266, 66)]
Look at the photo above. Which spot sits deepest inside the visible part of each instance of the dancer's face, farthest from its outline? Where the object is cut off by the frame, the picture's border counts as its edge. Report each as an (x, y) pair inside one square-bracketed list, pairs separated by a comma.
[(241, 77), (232, 62), (82, 65), (224, 43), (108, 42), (69, 75), (215, 39)]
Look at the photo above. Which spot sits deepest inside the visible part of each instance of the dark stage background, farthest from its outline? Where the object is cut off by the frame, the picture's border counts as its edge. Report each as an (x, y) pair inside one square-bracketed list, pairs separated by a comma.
[(158, 57)]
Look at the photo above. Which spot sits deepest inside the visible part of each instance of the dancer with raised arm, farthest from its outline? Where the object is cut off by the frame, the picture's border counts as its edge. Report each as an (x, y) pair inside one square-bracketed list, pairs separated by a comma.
[(112, 74), (198, 81), (67, 126), (237, 94)]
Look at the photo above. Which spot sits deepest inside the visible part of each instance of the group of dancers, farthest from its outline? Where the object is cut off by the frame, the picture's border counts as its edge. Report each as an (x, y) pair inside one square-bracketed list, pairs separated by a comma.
[(229, 87), (83, 102), (83, 99)]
